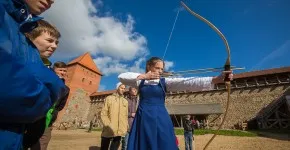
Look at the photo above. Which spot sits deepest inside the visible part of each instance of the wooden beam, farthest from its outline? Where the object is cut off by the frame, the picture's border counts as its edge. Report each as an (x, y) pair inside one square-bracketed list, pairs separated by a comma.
[(246, 83), (207, 125), (284, 115), (181, 121), (278, 118), (288, 101), (266, 81), (279, 81), (257, 84), (273, 124)]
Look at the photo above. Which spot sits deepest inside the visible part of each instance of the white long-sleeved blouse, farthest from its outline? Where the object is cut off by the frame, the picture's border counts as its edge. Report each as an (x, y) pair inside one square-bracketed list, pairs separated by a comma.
[(189, 84)]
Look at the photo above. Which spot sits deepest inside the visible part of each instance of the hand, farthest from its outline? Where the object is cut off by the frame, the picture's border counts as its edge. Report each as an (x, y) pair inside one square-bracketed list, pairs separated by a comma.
[(149, 76), (133, 115), (220, 78), (152, 75)]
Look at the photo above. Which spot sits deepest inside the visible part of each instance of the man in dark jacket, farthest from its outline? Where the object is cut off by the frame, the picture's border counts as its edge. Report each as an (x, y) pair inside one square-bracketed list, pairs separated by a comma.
[(29, 88), (188, 132)]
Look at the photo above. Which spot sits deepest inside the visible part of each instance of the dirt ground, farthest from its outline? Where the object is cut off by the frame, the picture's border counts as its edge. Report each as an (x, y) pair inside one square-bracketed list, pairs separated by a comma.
[(82, 140)]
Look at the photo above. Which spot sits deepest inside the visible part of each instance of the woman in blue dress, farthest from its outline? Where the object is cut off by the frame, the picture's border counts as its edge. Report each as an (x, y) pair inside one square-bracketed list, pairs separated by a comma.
[(152, 127)]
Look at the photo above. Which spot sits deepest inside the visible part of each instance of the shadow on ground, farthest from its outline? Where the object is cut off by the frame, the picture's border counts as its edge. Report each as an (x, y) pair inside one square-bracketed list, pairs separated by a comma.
[(94, 148), (277, 136)]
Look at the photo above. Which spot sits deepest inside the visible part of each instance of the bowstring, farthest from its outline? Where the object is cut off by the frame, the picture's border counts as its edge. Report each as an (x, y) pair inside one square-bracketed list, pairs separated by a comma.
[(173, 27)]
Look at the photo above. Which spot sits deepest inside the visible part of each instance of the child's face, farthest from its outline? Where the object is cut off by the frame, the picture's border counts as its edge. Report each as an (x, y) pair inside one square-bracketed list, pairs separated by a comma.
[(61, 72), (157, 68), (37, 7), (46, 44), (133, 91)]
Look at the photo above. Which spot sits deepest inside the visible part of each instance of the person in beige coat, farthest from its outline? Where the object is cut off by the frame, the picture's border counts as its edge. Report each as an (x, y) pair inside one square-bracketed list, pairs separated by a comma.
[(114, 116)]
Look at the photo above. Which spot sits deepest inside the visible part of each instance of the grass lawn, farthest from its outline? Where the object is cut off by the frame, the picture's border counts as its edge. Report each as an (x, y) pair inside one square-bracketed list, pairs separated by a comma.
[(179, 131)]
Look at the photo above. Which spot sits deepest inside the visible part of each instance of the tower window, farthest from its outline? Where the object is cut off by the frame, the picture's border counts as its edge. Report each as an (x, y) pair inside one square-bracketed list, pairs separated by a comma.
[(90, 82), (83, 80)]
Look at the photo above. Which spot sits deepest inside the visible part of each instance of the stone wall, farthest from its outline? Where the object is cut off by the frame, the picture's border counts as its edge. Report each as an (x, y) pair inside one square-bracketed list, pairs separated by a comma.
[(244, 103), (95, 109), (77, 109)]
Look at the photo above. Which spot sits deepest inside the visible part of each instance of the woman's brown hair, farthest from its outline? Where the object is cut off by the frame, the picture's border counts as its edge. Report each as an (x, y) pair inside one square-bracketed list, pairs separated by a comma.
[(152, 61)]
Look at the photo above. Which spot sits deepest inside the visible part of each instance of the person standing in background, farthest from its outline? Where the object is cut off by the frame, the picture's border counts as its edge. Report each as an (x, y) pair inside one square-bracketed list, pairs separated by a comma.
[(132, 108), (114, 116)]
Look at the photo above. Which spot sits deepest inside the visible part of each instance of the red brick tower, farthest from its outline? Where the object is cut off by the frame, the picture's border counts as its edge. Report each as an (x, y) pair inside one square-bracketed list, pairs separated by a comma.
[(82, 74)]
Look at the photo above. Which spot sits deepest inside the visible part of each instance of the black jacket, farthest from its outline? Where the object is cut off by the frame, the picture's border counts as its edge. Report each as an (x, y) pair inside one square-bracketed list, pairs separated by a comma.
[(60, 104), (188, 126)]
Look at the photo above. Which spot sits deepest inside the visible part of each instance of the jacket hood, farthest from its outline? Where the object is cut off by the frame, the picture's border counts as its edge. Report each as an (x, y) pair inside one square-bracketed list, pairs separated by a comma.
[(20, 13)]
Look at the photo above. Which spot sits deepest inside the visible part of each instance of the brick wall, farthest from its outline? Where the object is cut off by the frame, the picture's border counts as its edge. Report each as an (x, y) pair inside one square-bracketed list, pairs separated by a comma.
[(80, 77)]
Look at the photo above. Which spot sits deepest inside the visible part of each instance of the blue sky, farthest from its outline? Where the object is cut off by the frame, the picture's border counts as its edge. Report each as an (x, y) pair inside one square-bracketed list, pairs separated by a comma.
[(258, 33)]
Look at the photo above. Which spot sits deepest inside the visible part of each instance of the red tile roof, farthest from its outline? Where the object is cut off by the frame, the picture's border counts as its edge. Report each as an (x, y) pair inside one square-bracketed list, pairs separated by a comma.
[(109, 92), (103, 93), (87, 61), (262, 72)]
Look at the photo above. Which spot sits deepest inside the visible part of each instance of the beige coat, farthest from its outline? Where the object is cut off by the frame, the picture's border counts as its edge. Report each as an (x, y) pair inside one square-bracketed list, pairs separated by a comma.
[(114, 116)]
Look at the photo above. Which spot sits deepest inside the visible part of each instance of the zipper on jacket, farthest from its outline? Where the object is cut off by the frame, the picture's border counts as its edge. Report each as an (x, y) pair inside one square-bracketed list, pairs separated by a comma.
[(119, 116)]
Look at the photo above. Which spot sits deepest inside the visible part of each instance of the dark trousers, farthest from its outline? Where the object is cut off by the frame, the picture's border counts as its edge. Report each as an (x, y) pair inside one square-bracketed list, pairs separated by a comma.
[(115, 143), (42, 143), (125, 141), (33, 133)]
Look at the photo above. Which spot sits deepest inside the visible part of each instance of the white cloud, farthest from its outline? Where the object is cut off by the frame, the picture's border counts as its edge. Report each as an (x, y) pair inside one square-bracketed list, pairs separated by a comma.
[(109, 66), (83, 29), (168, 65), (102, 88)]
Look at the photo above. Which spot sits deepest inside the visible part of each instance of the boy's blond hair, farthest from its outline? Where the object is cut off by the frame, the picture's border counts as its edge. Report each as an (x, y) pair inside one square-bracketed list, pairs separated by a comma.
[(43, 26)]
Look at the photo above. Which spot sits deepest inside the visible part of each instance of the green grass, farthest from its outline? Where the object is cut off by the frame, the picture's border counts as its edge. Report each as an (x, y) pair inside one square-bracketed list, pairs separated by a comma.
[(179, 131), (97, 129)]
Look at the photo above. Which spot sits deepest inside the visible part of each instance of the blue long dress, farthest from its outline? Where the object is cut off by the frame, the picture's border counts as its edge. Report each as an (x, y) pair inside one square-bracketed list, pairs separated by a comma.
[(152, 128)]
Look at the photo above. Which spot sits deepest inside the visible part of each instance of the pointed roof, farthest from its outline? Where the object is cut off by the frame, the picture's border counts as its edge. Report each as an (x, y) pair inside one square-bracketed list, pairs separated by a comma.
[(87, 61)]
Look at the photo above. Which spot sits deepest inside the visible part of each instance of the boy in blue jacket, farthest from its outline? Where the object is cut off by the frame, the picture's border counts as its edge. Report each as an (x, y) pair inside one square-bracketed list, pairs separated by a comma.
[(28, 88), (46, 38)]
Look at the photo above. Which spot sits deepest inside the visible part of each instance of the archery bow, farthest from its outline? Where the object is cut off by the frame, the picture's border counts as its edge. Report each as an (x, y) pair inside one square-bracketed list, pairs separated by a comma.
[(197, 71), (227, 66)]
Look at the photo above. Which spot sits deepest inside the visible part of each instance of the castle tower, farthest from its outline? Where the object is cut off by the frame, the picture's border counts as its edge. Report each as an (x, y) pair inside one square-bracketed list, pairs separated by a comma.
[(84, 74), (83, 78)]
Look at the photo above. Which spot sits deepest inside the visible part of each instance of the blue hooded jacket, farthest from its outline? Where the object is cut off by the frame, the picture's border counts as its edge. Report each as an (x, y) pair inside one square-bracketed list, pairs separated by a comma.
[(28, 88)]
